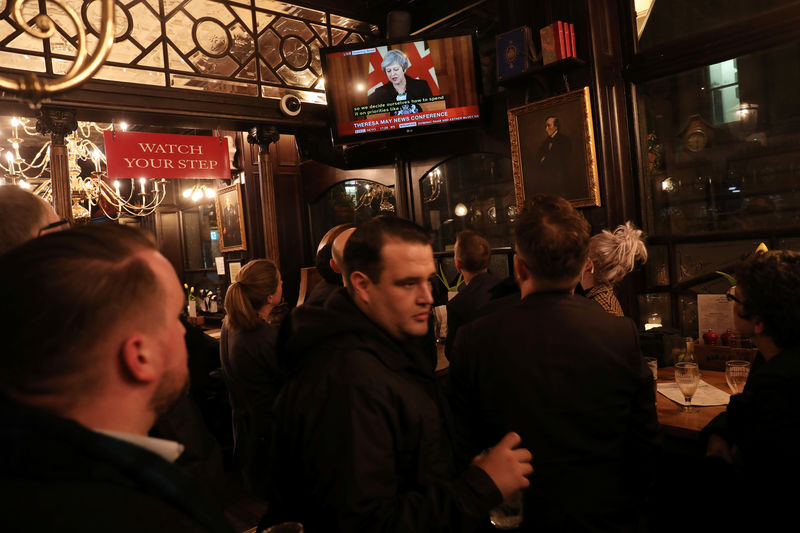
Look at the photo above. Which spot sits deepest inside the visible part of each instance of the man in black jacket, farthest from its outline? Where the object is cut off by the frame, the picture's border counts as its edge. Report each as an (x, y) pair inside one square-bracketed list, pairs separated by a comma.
[(759, 432), (471, 253), (568, 377), (362, 437), (93, 352)]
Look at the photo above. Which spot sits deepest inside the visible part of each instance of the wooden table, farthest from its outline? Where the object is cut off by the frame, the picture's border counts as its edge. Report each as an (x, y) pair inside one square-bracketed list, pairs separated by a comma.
[(687, 425)]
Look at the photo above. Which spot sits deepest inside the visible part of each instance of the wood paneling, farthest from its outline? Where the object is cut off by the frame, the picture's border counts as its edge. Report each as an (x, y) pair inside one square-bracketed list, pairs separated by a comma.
[(168, 229)]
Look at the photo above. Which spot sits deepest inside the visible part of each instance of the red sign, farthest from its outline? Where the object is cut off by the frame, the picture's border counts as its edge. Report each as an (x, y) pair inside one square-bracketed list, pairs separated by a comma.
[(158, 155), (426, 118)]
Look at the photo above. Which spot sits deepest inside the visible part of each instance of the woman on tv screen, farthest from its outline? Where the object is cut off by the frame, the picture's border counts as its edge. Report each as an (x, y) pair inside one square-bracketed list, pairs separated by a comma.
[(401, 91)]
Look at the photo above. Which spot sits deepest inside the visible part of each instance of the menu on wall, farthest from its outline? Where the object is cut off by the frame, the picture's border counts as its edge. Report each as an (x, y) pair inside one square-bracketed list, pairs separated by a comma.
[(715, 312)]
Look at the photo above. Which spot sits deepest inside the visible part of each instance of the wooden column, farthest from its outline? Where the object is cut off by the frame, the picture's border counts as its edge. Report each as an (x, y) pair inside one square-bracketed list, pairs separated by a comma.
[(59, 123), (263, 136)]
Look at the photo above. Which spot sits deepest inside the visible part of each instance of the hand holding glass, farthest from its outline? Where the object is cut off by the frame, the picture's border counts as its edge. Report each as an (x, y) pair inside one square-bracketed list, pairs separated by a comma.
[(687, 376), (736, 373)]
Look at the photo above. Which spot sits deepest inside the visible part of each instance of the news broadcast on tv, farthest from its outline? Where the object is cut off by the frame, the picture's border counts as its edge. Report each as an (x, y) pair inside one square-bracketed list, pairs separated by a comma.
[(423, 83)]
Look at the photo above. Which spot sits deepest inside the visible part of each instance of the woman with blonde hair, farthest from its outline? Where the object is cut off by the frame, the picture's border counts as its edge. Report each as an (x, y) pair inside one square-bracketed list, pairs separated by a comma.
[(249, 364), (612, 256)]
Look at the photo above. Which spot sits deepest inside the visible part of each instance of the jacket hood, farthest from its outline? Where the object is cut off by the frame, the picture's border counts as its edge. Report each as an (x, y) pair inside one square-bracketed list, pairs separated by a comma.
[(340, 322)]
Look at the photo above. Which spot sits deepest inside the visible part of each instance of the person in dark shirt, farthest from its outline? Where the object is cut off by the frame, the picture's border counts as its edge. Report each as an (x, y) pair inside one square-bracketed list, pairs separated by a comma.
[(472, 253), (568, 377), (91, 357), (759, 432), (249, 364)]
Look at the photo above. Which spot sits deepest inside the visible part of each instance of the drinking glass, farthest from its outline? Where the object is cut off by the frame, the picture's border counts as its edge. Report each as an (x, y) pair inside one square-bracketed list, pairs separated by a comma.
[(687, 376), (508, 515), (736, 373)]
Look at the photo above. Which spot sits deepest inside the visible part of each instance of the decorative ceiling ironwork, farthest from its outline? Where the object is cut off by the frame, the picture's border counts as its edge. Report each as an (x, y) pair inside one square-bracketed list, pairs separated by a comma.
[(257, 48)]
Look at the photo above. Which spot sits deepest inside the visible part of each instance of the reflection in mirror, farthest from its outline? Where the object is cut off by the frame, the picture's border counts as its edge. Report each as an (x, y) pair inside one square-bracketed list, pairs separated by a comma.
[(350, 201), (474, 191)]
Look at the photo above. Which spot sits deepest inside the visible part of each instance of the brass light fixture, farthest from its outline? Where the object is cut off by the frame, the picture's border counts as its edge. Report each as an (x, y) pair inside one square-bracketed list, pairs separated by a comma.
[(34, 88)]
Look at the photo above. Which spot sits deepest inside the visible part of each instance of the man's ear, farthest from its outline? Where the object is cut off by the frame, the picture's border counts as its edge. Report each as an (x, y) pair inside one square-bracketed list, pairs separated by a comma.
[(137, 359), (520, 270), (459, 264), (361, 285), (334, 266), (589, 267)]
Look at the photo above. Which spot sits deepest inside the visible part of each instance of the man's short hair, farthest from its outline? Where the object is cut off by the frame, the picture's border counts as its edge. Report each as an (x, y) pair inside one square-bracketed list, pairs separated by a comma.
[(770, 285), (473, 251), (362, 253), (63, 294), (22, 215), (552, 239)]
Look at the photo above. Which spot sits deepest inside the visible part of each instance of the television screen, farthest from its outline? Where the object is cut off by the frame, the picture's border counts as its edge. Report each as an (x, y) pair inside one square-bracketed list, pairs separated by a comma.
[(400, 88)]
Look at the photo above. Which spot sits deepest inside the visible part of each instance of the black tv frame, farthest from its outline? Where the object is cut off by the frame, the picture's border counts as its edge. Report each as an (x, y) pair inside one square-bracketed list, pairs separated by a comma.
[(403, 133)]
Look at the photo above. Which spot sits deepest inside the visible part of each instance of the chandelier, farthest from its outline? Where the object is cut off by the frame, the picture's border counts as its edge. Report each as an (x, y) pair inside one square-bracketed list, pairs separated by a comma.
[(86, 192), (198, 192), (373, 191)]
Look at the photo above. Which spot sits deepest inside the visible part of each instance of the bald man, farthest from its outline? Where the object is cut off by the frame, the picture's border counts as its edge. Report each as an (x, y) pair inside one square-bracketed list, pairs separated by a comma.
[(23, 216), (337, 252)]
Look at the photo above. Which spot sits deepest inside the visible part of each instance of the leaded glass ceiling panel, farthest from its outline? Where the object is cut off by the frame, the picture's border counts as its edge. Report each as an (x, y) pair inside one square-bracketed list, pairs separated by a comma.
[(258, 48)]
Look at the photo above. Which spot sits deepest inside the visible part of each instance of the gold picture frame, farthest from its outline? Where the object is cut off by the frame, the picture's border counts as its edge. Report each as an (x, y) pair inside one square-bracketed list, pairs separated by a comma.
[(230, 219), (549, 163)]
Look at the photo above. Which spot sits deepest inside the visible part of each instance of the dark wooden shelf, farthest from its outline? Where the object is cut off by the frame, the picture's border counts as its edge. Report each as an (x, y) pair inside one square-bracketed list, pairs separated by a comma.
[(563, 65)]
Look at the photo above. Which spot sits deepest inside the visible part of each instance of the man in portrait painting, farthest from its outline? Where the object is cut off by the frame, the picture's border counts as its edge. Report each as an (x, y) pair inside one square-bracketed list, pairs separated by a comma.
[(553, 156), (231, 231)]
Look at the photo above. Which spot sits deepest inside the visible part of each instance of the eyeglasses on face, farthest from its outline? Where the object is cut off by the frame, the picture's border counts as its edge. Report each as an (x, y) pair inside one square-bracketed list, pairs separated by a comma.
[(53, 225), (733, 298)]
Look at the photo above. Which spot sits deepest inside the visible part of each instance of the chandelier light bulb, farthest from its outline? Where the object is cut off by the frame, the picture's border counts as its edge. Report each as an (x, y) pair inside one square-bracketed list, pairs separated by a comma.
[(10, 157), (196, 195), (14, 122), (24, 184), (116, 184), (461, 210), (187, 193), (210, 193), (123, 126)]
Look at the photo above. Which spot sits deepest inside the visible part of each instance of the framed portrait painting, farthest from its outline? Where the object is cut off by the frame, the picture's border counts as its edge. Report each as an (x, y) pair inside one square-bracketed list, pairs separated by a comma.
[(552, 149), (230, 219)]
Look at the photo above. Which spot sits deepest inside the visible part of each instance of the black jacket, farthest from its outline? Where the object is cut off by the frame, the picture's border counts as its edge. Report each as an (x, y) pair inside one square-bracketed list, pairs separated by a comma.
[(251, 372), (763, 423), (362, 441), (320, 293), (569, 378), (56, 475), (464, 306)]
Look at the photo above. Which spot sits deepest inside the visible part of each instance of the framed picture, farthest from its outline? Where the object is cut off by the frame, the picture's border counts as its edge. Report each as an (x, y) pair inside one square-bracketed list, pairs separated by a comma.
[(230, 219), (552, 149)]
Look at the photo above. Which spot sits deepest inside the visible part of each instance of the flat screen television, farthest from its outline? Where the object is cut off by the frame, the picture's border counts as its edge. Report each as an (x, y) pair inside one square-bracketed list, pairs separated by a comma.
[(401, 88)]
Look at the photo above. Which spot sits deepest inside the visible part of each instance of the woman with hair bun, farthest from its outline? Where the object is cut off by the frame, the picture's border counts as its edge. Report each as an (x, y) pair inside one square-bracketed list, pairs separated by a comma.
[(612, 256), (249, 364)]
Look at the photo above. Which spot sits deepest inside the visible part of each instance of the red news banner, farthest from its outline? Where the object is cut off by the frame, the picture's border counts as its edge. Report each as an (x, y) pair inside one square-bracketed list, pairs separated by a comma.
[(158, 155), (424, 118)]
